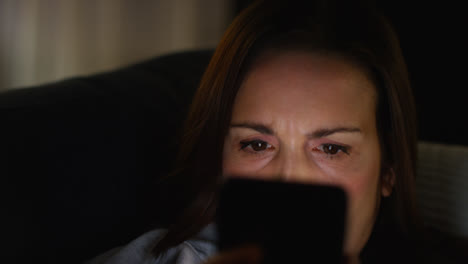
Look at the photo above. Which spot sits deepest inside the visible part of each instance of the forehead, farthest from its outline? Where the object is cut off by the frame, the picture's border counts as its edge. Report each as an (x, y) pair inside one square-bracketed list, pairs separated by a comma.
[(302, 82), (337, 70)]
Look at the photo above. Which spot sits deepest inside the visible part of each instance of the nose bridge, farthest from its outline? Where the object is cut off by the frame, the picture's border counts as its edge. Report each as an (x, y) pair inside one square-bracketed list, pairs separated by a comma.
[(295, 166)]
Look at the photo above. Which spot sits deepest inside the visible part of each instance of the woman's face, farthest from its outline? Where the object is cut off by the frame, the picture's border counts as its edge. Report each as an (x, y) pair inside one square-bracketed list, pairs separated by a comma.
[(306, 117)]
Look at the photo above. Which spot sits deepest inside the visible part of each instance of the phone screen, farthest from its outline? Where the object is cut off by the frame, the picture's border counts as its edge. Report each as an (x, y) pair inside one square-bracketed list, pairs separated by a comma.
[(291, 222)]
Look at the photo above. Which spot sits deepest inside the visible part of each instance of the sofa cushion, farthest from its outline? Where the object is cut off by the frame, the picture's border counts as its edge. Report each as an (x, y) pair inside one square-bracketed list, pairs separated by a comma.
[(442, 187)]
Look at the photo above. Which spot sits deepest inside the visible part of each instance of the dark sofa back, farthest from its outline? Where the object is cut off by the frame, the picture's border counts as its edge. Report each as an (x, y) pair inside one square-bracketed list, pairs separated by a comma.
[(80, 156)]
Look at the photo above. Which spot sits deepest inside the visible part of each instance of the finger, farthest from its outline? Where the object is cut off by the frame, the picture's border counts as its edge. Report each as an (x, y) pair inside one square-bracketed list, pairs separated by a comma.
[(350, 260), (249, 254)]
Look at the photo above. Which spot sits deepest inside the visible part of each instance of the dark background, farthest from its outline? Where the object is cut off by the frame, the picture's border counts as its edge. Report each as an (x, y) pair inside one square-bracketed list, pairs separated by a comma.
[(77, 157), (433, 39)]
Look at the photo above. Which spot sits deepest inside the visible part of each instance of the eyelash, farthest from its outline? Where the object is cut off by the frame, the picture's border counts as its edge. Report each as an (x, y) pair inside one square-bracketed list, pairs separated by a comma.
[(321, 148), (340, 148), (245, 144)]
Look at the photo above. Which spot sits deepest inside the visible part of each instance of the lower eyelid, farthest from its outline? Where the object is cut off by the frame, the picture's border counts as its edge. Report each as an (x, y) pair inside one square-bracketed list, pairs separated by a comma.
[(342, 153), (253, 153)]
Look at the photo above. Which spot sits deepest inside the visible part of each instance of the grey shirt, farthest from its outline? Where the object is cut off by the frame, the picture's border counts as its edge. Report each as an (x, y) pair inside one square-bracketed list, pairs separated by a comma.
[(193, 251)]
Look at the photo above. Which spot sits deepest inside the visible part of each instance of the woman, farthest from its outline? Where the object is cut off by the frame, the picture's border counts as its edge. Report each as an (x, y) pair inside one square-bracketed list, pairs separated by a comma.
[(309, 91)]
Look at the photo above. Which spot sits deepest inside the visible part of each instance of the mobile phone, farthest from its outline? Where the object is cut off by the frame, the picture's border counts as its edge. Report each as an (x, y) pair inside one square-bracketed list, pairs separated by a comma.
[(290, 222)]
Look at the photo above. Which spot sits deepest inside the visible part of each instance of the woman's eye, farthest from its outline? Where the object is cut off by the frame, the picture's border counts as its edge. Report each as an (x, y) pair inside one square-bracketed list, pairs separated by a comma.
[(256, 145), (333, 149)]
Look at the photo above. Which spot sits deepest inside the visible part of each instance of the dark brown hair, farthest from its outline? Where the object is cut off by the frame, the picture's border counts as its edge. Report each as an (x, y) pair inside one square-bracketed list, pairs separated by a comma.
[(351, 29)]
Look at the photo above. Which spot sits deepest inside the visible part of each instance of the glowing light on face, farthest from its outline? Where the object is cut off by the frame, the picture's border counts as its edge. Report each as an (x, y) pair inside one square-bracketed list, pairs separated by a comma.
[(310, 118)]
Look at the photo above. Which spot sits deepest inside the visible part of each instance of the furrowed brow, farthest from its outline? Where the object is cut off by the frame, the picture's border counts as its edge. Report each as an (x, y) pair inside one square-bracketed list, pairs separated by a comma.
[(327, 131), (255, 126)]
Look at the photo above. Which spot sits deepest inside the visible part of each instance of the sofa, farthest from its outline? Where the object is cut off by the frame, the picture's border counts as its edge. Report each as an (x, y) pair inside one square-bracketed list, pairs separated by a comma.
[(80, 160)]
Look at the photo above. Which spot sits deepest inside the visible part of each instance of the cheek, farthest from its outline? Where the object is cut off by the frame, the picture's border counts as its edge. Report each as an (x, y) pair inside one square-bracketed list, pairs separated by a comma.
[(238, 167), (229, 165), (363, 175), (235, 164), (363, 181), (362, 187), (362, 192), (358, 176)]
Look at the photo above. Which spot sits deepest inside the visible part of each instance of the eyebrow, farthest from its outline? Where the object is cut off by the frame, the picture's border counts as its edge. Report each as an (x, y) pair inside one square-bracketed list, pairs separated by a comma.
[(323, 132), (255, 126), (328, 131)]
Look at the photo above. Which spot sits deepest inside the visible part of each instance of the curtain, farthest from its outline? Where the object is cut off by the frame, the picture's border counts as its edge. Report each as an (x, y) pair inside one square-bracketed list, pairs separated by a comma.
[(47, 40)]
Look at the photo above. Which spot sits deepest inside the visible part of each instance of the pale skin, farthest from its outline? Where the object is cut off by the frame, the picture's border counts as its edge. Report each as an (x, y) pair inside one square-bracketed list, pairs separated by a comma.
[(305, 117)]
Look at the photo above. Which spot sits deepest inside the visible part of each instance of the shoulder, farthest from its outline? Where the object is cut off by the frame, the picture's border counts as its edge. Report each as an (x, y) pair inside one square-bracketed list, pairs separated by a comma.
[(192, 251)]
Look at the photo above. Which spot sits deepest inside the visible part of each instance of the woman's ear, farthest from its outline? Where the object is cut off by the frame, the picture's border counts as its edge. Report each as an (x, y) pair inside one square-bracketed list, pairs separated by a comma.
[(388, 182)]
